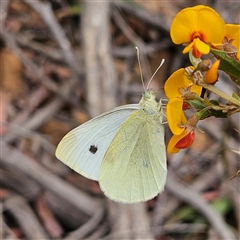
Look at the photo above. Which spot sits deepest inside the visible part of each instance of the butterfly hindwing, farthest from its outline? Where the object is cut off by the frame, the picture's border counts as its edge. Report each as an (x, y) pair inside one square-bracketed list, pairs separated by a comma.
[(134, 166), (83, 148)]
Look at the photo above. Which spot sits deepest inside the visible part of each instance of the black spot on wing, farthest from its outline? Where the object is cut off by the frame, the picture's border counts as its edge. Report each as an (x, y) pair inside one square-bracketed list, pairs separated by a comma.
[(93, 149)]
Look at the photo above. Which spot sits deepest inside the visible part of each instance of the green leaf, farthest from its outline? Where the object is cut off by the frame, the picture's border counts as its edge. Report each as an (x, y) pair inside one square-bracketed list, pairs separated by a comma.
[(221, 205), (196, 104), (228, 65), (207, 108), (194, 61)]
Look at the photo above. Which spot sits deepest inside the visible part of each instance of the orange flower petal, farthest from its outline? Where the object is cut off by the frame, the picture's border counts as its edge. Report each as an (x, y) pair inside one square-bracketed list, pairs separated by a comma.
[(211, 76)]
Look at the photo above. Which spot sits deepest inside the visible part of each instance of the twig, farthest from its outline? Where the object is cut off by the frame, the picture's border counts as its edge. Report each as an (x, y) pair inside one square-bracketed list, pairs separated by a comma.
[(39, 118), (5, 231), (205, 180), (120, 52), (88, 227), (19, 183), (231, 188), (191, 197), (44, 114), (137, 41), (3, 11), (51, 53), (35, 70), (25, 216), (149, 49), (48, 180), (23, 132), (102, 230), (64, 210), (49, 221), (179, 228), (150, 18), (45, 11)]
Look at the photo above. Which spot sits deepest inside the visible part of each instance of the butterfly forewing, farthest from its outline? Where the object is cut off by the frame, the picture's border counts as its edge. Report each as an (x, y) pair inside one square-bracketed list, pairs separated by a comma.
[(83, 148), (134, 166)]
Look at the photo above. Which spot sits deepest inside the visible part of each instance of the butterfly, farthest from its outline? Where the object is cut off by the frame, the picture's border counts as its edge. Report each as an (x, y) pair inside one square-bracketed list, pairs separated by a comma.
[(123, 149)]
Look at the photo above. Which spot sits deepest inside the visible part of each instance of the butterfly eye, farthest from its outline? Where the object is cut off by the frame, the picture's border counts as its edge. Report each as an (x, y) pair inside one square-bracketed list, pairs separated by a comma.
[(93, 149)]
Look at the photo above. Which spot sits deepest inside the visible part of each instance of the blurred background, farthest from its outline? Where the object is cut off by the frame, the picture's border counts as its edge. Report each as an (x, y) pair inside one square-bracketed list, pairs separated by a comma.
[(66, 61)]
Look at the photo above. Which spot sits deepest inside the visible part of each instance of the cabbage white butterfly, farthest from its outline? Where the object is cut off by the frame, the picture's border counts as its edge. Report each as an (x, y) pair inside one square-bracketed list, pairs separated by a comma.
[(123, 149)]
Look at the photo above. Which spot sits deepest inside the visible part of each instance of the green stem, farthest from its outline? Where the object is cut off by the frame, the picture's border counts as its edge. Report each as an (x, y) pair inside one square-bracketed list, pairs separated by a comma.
[(219, 93)]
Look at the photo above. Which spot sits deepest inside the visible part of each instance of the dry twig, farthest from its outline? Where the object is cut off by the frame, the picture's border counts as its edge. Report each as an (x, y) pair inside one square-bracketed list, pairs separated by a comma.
[(45, 11), (191, 197), (46, 179)]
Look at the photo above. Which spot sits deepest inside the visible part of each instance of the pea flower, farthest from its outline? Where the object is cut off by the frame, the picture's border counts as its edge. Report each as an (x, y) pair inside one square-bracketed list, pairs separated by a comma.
[(173, 86), (186, 138), (197, 27)]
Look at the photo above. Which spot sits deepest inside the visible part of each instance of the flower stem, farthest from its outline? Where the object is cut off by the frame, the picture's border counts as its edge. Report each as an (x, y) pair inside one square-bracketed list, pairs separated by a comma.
[(219, 93)]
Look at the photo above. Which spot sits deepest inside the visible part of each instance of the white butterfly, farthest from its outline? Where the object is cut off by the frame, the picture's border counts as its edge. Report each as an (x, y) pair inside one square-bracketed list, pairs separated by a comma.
[(123, 149)]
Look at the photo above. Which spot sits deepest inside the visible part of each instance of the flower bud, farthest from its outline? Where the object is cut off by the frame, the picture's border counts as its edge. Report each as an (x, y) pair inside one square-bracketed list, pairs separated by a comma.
[(204, 65), (211, 76)]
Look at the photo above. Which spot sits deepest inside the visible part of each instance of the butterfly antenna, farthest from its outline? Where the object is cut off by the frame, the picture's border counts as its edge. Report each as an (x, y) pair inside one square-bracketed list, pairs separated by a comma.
[(162, 62), (139, 64)]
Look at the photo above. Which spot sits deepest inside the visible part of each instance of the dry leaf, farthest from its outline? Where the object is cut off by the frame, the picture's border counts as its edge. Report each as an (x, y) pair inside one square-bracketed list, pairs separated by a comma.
[(11, 80), (55, 129)]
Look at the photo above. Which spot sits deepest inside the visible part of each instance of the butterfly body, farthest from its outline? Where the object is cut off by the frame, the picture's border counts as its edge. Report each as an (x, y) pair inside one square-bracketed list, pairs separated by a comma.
[(123, 149)]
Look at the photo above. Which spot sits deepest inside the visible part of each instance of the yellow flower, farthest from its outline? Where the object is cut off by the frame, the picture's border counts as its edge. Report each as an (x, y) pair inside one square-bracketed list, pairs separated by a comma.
[(233, 35), (172, 87), (197, 27)]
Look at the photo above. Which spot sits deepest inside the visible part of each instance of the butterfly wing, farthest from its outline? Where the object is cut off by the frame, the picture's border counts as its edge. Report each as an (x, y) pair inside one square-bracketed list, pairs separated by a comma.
[(83, 148), (134, 167)]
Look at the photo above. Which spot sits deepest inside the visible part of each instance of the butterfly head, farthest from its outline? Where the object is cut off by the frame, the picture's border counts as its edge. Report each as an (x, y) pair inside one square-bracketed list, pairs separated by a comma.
[(149, 95)]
